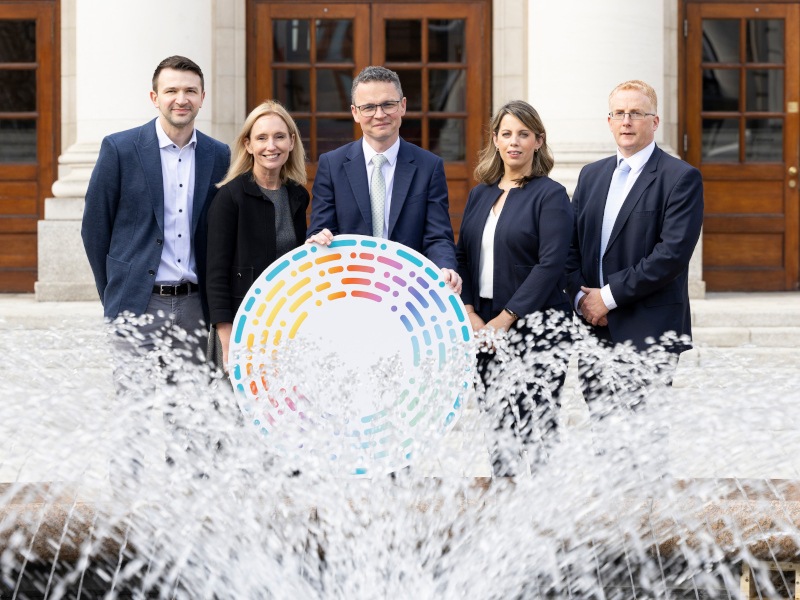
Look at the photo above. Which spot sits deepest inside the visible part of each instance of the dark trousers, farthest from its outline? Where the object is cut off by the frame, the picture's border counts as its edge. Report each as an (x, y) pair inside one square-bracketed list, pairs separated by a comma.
[(522, 378), (158, 360), (618, 381), (618, 376)]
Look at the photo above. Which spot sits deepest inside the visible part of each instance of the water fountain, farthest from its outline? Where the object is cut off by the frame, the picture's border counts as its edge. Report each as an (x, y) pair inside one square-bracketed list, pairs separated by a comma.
[(668, 501)]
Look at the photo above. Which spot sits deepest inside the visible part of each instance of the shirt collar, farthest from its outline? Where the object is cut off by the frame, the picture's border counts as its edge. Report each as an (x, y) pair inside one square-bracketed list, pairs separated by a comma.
[(165, 142), (390, 153), (638, 160)]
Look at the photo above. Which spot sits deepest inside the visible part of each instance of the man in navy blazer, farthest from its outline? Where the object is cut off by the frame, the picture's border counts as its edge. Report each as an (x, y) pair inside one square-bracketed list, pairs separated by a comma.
[(416, 211), (638, 219), (144, 227)]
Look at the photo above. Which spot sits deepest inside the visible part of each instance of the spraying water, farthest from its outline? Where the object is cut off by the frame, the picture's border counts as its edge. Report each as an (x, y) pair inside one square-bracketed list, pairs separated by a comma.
[(621, 503)]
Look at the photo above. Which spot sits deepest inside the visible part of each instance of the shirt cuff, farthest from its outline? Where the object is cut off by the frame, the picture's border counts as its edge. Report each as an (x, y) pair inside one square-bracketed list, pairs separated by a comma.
[(578, 297), (608, 298)]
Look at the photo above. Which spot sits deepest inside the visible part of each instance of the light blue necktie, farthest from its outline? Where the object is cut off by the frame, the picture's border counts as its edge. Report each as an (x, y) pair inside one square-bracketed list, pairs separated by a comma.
[(377, 193), (616, 196)]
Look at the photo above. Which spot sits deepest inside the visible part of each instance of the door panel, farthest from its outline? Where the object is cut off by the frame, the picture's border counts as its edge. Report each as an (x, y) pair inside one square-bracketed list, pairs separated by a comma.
[(742, 132), (307, 54), (426, 44), (28, 137)]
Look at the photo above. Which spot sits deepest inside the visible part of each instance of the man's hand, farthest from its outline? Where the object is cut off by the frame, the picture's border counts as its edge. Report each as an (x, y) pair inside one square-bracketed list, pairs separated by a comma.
[(592, 306), (323, 238), (452, 279)]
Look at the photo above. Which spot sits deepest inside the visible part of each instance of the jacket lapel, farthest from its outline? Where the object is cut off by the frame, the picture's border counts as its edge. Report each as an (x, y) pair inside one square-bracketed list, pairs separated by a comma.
[(150, 158), (356, 171), (203, 167), (295, 198), (404, 172), (598, 197)]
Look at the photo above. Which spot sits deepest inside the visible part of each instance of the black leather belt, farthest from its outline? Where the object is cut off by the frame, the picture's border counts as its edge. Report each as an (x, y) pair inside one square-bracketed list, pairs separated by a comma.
[(179, 289)]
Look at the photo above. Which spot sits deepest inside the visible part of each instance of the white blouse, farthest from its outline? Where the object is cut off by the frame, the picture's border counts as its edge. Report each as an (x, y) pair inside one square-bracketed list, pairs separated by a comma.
[(486, 273)]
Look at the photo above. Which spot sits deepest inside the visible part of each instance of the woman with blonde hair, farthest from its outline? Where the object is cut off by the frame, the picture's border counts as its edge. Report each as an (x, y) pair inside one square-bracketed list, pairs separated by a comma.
[(512, 250), (257, 215)]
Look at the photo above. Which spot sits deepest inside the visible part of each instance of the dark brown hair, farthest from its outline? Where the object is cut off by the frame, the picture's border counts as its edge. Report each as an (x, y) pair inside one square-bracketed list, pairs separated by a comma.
[(179, 63)]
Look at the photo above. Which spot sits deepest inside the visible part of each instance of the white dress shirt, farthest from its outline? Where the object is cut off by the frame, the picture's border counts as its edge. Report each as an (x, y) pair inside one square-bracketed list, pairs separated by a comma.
[(388, 175), (177, 169)]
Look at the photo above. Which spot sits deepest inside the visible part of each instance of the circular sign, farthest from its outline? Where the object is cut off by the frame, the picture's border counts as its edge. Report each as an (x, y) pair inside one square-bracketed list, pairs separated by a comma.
[(357, 353)]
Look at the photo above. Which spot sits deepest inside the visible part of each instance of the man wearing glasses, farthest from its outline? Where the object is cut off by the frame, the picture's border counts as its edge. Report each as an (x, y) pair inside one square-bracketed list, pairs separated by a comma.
[(638, 218), (382, 185)]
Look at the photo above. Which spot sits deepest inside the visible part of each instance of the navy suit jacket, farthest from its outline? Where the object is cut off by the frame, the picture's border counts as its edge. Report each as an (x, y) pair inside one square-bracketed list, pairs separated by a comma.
[(419, 215), (123, 219), (531, 243), (646, 262)]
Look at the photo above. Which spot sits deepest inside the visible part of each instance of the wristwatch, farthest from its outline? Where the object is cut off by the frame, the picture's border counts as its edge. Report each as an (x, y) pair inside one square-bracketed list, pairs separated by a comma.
[(512, 313)]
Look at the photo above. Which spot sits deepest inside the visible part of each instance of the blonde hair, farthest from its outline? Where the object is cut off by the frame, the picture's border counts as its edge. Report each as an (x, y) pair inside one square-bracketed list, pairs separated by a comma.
[(639, 86), (490, 165), (242, 161)]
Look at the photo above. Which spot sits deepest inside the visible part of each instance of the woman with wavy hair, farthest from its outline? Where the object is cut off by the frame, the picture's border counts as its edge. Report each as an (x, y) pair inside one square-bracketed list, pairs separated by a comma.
[(257, 215)]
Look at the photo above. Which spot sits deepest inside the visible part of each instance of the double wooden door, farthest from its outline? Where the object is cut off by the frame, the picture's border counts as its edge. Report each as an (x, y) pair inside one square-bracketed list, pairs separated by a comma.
[(741, 127), (307, 54), (28, 133)]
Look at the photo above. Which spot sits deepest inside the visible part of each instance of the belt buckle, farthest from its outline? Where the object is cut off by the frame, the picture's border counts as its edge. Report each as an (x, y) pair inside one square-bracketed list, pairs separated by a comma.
[(166, 290)]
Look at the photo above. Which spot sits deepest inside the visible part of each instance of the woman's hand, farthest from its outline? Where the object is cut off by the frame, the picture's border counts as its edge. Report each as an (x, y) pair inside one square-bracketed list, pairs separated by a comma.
[(323, 238), (474, 320), (224, 333), (501, 322)]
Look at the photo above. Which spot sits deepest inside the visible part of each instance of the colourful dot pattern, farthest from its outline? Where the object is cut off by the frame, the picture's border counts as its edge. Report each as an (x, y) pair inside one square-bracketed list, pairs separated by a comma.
[(356, 269)]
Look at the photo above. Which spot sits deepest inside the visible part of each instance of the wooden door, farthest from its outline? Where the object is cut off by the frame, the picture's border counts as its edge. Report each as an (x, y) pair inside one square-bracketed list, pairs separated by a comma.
[(741, 129), (28, 133), (307, 54)]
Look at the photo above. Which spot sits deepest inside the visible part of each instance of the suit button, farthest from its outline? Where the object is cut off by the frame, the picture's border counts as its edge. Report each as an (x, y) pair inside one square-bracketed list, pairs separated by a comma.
[(158, 242), (239, 275), (151, 272)]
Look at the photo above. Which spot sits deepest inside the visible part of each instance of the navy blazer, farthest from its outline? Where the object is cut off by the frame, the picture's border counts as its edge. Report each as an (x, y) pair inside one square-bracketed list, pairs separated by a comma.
[(242, 241), (123, 218), (419, 214), (646, 262), (531, 243)]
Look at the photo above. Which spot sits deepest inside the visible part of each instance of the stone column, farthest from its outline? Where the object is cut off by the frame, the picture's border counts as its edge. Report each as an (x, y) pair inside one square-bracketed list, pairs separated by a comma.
[(109, 52)]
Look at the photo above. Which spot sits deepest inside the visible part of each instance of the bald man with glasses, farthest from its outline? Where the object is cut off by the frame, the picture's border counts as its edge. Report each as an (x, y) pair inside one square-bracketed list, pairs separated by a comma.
[(381, 185)]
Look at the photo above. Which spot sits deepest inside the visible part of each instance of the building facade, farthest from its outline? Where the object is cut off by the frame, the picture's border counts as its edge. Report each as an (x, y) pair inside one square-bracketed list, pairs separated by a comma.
[(727, 76)]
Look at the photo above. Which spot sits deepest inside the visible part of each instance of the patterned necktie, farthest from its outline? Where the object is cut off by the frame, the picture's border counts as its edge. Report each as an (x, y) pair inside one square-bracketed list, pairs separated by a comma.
[(616, 196), (377, 192)]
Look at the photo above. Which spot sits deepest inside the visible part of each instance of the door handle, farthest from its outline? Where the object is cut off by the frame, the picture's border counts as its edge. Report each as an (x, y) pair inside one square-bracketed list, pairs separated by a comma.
[(792, 171)]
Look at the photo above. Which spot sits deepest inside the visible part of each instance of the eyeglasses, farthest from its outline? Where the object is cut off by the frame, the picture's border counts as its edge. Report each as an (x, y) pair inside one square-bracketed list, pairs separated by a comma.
[(389, 108), (635, 115)]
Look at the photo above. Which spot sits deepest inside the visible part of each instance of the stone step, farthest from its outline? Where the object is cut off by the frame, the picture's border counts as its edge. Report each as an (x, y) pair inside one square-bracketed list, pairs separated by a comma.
[(751, 309), (731, 336), (742, 357)]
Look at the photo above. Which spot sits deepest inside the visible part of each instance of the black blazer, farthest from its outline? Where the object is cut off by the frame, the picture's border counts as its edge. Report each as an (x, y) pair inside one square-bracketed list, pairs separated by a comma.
[(530, 246), (646, 262), (241, 241)]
